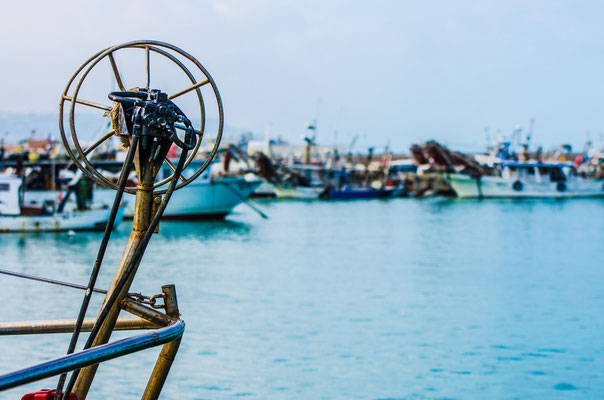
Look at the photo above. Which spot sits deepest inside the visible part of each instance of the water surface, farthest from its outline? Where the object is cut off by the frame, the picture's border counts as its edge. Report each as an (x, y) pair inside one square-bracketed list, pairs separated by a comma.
[(385, 299)]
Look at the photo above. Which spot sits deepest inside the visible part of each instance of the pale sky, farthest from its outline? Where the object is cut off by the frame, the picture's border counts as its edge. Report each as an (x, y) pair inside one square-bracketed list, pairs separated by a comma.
[(390, 71)]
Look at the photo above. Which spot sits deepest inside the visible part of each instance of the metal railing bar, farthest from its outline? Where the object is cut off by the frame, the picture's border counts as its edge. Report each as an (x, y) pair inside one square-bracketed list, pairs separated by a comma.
[(92, 356), (68, 325)]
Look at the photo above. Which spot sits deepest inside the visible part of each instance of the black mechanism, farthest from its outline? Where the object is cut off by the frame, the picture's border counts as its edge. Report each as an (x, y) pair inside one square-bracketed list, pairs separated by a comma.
[(150, 113)]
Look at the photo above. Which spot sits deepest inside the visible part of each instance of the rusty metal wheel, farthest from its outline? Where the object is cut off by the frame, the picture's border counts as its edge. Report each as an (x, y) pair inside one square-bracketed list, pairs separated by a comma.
[(171, 53)]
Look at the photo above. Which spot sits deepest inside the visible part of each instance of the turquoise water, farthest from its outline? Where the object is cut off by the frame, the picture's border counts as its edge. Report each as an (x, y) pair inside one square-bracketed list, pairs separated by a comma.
[(396, 299)]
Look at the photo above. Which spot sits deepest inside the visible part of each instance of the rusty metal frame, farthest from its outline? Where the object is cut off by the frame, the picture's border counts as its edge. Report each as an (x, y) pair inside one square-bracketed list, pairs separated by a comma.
[(146, 218), (146, 318), (68, 325)]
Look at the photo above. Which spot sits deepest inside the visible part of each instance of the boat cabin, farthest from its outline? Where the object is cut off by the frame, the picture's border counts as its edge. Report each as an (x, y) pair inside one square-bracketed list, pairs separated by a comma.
[(535, 172), (11, 199), (310, 175), (10, 195)]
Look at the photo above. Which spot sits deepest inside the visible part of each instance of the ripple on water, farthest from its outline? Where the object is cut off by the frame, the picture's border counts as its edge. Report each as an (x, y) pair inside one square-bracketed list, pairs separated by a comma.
[(509, 358), (552, 350), (392, 334), (216, 388), (538, 355), (207, 353), (565, 386)]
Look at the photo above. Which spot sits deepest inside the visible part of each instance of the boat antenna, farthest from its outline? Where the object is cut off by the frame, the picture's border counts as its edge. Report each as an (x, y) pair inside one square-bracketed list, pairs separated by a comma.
[(529, 135)]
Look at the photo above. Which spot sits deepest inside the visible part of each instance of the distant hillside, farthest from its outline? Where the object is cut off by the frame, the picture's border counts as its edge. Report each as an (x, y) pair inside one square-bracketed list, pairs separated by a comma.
[(14, 127)]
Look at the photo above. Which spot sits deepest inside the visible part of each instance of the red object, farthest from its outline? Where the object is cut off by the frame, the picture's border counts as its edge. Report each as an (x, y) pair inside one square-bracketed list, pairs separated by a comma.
[(45, 394), (173, 152), (578, 161)]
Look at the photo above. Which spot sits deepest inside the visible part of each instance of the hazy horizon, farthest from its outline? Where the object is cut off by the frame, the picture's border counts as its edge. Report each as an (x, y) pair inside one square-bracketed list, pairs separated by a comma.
[(391, 72)]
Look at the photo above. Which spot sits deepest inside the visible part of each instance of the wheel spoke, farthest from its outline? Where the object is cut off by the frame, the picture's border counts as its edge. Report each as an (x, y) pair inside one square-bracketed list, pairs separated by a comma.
[(184, 128), (88, 103), (147, 67), (118, 78), (99, 142), (187, 90), (173, 168)]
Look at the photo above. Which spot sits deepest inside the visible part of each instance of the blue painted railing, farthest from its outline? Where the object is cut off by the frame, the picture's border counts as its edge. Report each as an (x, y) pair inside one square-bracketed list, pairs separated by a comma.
[(92, 356)]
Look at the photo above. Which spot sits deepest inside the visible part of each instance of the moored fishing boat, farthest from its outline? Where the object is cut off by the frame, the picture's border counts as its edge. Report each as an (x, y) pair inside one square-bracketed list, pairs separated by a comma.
[(526, 180), (48, 216), (301, 181), (206, 197)]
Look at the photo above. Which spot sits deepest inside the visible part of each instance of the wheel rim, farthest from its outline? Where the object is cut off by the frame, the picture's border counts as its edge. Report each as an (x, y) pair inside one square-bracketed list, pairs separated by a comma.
[(149, 46)]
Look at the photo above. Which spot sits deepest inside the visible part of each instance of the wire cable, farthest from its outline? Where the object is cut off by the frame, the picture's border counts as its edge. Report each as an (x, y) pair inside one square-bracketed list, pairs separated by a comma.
[(123, 179), (48, 280), (130, 268)]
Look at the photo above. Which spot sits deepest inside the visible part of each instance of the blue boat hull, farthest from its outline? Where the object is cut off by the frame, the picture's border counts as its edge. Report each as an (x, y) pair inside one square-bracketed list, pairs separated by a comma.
[(351, 194)]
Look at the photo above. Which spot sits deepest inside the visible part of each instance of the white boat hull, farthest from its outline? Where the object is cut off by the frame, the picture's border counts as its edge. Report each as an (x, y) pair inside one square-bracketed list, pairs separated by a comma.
[(266, 189), (202, 200), (299, 192), (496, 187), (199, 199), (94, 219)]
